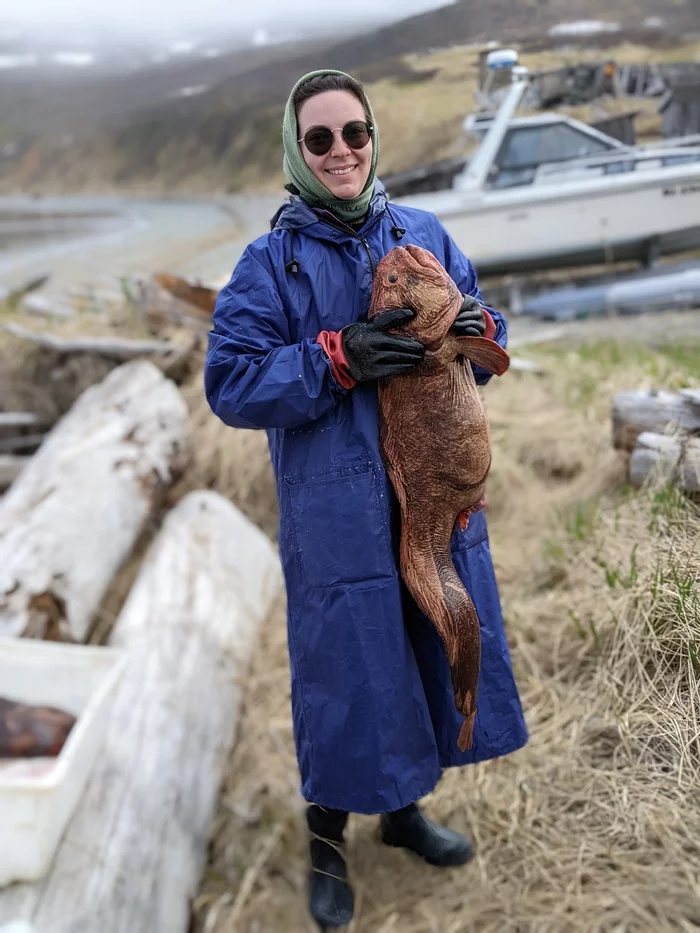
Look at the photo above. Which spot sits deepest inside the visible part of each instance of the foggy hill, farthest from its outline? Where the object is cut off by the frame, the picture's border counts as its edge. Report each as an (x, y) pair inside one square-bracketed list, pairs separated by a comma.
[(136, 132)]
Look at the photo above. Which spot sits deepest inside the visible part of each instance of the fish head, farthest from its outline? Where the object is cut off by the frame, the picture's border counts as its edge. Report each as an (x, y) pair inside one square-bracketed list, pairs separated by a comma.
[(411, 277)]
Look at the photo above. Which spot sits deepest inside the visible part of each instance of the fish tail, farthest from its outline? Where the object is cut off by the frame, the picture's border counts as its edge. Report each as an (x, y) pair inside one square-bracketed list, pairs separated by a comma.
[(434, 584)]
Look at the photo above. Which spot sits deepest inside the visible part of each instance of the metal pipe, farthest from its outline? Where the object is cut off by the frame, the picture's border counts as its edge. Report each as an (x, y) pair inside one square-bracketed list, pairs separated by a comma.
[(477, 170)]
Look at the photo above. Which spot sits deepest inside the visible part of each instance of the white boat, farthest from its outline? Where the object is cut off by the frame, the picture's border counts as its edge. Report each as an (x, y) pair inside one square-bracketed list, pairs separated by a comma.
[(548, 190)]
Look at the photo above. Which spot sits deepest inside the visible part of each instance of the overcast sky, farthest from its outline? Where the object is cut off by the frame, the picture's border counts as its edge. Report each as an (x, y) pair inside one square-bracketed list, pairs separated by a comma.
[(169, 15)]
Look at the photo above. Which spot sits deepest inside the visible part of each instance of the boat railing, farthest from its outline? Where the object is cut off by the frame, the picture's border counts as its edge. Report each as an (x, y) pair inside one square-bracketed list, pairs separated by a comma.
[(620, 161), (674, 142)]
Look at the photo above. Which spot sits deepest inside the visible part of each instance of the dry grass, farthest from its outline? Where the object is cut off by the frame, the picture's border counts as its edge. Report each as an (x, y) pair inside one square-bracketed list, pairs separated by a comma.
[(595, 825), (235, 463), (37, 380)]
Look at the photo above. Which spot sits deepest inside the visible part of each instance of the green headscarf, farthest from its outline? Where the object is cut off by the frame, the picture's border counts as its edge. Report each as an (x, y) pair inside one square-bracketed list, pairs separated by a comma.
[(302, 180)]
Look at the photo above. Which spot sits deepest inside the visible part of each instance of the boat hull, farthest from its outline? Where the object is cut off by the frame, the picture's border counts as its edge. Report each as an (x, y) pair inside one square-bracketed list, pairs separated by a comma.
[(550, 226)]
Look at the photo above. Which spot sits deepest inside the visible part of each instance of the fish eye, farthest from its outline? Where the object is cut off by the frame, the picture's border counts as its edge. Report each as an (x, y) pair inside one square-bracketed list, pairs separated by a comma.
[(393, 277)]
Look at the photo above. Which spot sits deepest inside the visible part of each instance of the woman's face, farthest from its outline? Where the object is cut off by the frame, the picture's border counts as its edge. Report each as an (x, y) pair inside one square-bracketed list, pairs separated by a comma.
[(344, 171)]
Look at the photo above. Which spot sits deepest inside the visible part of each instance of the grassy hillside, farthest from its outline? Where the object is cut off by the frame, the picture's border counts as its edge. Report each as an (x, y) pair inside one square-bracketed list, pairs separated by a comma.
[(421, 74), (420, 102)]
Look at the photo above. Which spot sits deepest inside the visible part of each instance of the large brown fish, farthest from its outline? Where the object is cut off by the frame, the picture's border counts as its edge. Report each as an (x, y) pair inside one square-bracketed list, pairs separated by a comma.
[(32, 731), (435, 442)]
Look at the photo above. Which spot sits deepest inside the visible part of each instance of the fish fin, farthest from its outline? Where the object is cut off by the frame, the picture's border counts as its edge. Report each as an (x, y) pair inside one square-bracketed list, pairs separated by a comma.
[(484, 352), (463, 517)]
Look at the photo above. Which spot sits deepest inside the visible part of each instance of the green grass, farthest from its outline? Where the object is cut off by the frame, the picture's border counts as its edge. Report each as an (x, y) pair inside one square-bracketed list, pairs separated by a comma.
[(607, 355), (595, 370)]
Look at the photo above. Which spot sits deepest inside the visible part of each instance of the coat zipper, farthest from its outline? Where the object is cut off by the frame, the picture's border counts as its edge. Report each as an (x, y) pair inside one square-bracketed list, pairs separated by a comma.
[(341, 226), (364, 242)]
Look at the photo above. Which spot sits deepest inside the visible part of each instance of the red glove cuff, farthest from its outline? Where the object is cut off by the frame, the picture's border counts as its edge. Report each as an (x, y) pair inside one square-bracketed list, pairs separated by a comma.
[(332, 345), (490, 331)]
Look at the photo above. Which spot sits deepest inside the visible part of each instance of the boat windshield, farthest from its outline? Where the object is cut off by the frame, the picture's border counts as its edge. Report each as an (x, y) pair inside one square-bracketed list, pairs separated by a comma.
[(527, 147)]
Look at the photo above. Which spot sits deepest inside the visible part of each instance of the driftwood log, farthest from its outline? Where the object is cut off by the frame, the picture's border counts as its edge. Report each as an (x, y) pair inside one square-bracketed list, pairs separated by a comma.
[(637, 412), (11, 465), (675, 457), (134, 851), (522, 365), (45, 306), (9, 445), (13, 296), (199, 297), (545, 335), (76, 510), (114, 348), (18, 419)]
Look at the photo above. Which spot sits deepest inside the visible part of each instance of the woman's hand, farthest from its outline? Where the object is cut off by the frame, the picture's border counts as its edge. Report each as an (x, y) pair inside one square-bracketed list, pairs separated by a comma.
[(470, 321), (372, 353)]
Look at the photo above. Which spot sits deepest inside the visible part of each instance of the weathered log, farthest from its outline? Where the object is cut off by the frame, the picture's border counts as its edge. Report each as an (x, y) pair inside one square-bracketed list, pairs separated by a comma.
[(133, 854), (693, 395), (635, 412), (198, 296), (677, 458), (18, 419), (545, 335), (45, 306), (13, 296), (9, 445), (77, 508), (520, 364), (115, 348), (10, 468), (162, 308)]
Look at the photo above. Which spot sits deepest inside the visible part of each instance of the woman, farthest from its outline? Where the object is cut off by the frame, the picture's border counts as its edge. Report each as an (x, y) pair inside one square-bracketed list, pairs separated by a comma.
[(292, 352)]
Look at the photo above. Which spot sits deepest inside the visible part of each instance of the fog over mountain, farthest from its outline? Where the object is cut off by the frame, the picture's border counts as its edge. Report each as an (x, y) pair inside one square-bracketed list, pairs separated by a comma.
[(146, 22)]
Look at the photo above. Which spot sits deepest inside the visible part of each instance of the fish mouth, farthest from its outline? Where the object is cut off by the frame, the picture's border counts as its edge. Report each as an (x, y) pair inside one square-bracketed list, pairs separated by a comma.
[(429, 268), (421, 257), (421, 262)]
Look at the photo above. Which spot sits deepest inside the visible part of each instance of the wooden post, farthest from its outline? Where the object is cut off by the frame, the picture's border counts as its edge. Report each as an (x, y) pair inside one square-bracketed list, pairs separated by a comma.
[(76, 509), (635, 412), (133, 854)]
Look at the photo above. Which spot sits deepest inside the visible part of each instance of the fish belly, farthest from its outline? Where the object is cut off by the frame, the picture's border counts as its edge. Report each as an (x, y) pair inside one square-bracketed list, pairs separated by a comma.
[(435, 433)]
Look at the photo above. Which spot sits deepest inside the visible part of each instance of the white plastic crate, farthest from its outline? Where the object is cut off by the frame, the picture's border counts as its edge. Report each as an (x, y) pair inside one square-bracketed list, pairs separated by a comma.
[(38, 795)]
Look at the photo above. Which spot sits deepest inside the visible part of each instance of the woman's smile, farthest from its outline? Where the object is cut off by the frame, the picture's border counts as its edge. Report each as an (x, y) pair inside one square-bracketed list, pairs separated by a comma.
[(341, 171)]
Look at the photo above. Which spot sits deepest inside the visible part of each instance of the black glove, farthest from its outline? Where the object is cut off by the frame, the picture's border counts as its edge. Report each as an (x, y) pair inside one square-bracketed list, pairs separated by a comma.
[(470, 320), (373, 353)]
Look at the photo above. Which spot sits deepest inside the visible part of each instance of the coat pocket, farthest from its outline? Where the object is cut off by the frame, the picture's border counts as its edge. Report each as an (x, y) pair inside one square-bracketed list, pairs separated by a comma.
[(339, 525)]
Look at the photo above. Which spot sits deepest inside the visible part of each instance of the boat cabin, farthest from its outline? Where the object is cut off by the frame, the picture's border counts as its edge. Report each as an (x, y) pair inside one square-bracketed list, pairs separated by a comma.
[(530, 142)]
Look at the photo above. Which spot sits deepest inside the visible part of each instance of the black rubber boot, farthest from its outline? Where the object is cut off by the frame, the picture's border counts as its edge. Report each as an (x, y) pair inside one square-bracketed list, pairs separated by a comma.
[(331, 900), (410, 829)]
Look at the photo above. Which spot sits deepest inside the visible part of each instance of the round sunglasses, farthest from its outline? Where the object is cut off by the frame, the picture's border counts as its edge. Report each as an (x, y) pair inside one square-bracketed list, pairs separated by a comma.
[(319, 139)]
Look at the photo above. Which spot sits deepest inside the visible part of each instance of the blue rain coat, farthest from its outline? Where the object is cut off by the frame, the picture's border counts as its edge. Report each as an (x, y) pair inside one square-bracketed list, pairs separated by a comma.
[(373, 710)]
